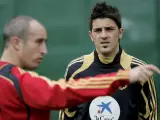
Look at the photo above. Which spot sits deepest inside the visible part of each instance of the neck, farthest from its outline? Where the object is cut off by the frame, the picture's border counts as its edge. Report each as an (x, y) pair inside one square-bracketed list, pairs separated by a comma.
[(10, 57), (108, 58)]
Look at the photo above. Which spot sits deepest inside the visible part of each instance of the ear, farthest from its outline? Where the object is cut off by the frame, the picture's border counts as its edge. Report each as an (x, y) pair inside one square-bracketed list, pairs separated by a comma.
[(16, 43), (90, 34), (121, 31)]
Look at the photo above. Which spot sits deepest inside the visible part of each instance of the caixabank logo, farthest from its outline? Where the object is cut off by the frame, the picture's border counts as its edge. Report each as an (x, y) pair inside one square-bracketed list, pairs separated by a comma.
[(104, 108)]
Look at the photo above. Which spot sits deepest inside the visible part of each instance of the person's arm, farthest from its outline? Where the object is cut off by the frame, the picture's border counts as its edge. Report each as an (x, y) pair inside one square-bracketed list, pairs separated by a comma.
[(42, 93), (148, 102)]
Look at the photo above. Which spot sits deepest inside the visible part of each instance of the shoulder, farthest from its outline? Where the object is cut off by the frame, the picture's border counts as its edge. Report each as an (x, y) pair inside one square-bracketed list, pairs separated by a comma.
[(79, 64), (127, 61), (136, 62), (76, 63), (18, 72)]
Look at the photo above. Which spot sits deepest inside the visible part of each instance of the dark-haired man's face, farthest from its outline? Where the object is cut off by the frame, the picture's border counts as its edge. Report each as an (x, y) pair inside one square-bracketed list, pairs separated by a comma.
[(106, 35)]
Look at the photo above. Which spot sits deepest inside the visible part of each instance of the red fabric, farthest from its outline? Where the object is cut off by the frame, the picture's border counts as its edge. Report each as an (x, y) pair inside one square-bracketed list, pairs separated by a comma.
[(42, 96)]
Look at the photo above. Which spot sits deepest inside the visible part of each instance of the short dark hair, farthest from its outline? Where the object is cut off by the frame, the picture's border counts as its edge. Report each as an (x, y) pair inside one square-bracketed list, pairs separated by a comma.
[(102, 10), (17, 26)]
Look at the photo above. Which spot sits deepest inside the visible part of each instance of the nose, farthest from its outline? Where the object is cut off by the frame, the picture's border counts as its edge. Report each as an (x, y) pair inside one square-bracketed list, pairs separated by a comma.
[(104, 34), (44, 49)]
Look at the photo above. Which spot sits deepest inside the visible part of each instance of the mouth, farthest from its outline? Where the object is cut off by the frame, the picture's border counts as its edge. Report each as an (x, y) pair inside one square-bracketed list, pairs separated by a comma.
[(39, 59), (105, 44)]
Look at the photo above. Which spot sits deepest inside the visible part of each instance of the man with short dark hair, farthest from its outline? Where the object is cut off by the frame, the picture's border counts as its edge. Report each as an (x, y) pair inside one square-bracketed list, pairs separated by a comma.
[(136, 101)]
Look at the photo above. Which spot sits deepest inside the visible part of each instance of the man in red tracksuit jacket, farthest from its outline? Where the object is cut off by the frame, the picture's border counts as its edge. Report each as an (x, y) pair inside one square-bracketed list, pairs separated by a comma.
[(27, 96)]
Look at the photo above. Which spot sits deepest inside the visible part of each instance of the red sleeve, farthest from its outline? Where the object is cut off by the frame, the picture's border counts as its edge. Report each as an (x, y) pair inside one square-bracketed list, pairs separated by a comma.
[(42, 93)]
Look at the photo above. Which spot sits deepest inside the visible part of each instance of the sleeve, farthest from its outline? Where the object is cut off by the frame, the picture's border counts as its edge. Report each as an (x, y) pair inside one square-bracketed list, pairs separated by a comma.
[(148, 101), (42, 93)]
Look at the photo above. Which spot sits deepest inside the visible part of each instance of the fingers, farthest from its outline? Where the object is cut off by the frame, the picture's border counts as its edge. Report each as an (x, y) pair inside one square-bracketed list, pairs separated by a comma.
[(153, 68), (146, 72), (143, 73)]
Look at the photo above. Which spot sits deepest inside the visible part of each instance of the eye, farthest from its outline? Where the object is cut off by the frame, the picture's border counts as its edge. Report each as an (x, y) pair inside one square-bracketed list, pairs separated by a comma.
[(109, 28), (41, 40), (97, 30)]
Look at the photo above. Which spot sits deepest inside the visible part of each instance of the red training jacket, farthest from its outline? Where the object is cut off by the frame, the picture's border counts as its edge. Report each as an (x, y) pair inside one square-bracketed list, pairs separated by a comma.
[(42, 95)]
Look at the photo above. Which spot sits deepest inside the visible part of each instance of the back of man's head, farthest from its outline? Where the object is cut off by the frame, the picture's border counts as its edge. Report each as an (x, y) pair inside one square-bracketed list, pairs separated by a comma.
[(16, 27)]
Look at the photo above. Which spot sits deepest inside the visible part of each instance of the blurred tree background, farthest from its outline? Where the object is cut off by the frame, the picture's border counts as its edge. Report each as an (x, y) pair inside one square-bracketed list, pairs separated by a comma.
[(67, 26)]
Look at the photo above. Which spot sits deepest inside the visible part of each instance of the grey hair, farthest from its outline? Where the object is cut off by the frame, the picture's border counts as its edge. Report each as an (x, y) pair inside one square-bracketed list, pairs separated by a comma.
[(16, 27)]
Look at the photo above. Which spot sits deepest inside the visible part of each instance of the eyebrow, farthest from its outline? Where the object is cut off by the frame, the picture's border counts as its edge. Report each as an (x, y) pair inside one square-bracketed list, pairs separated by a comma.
[(104, 27)]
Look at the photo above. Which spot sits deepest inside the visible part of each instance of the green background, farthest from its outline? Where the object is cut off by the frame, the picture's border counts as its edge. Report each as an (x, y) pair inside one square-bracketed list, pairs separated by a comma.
[(67, 25)]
